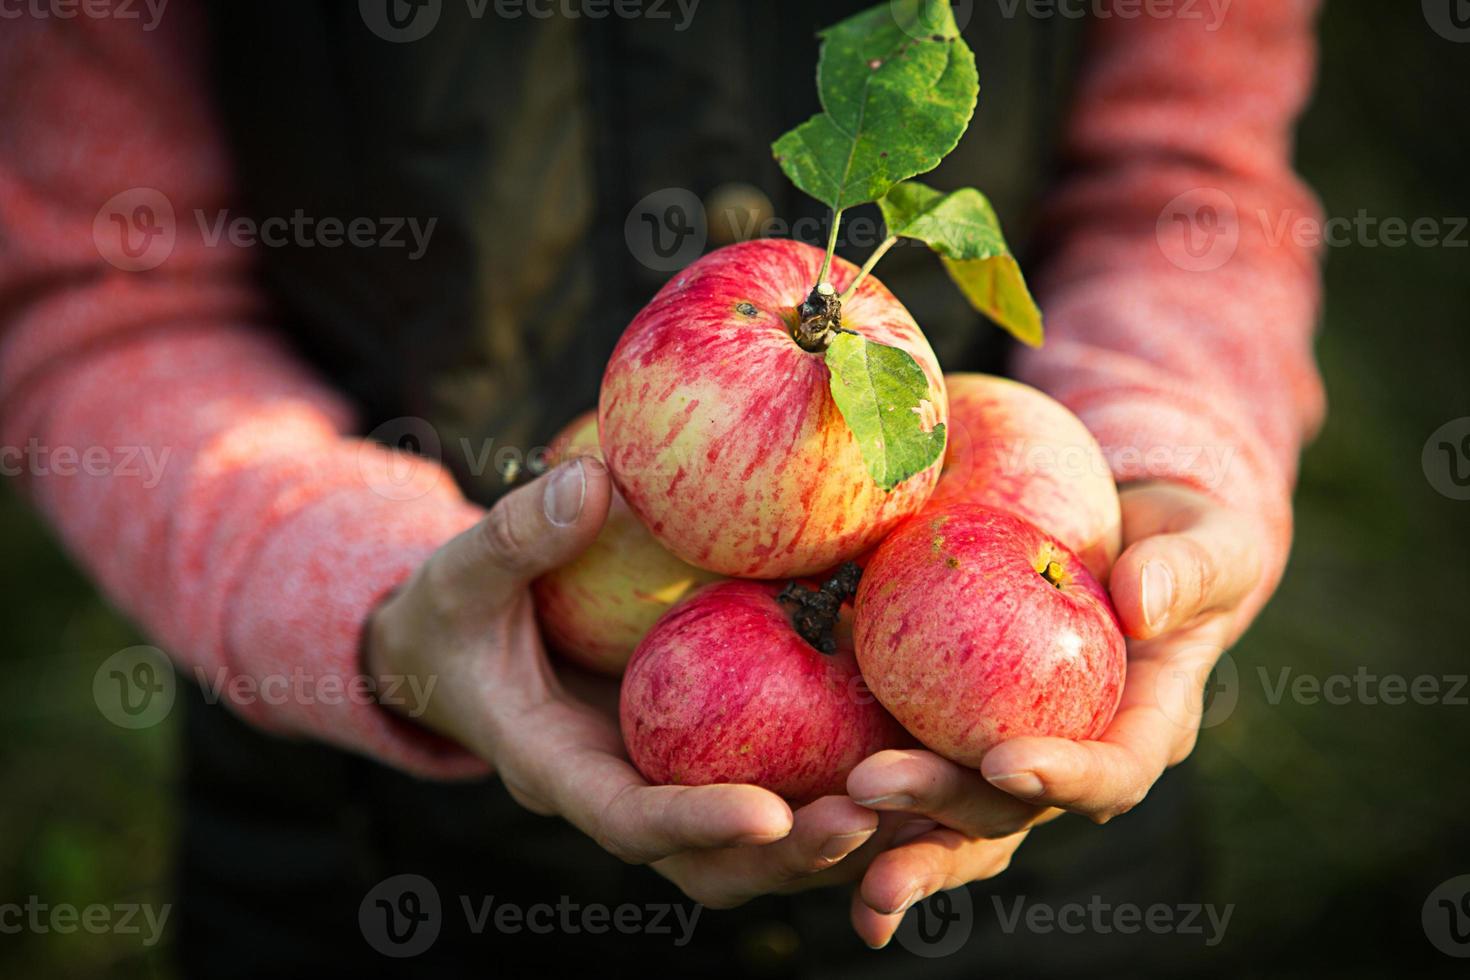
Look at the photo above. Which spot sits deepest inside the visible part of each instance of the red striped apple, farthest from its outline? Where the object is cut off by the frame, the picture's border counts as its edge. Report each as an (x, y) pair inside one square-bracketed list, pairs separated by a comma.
[(596, 609), (722, 433), (973, 627), (723, 689), (1019, 450)]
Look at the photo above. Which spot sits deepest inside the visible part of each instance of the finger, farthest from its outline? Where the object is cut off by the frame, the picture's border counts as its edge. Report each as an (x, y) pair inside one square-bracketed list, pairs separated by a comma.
[(916, 781), (1168, 580), (536, 528), (938, 861), (648, 823), (873, 928), (1156, 726), (823, 833)]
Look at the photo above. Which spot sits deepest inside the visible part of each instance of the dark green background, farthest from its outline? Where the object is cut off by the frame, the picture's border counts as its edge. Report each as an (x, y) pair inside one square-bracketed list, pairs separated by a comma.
[(1330, 824)]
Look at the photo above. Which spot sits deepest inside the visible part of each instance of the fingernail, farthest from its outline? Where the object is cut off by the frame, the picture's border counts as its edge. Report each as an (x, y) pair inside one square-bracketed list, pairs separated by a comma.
[(917, 896), (841, 845), (912, 829), (757, 840), (1158, 593), (895, 801), (1026, 785), (565, 492)]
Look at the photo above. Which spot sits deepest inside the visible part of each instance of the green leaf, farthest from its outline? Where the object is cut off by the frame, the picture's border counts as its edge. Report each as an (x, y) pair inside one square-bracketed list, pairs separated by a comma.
[(898, 87), (963, 229), (884, 397)]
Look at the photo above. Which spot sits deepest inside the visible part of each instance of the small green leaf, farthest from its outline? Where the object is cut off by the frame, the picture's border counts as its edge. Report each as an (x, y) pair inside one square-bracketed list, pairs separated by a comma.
[(963, 229), (884, 397), (898, 86)]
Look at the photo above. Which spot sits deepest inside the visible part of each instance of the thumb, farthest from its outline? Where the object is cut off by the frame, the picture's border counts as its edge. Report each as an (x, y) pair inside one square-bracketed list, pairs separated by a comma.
[(530, 531), (1163, 582)]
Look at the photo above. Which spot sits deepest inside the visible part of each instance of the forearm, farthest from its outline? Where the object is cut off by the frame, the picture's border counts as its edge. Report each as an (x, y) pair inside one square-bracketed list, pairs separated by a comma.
[(225, 507), (1190, 360)]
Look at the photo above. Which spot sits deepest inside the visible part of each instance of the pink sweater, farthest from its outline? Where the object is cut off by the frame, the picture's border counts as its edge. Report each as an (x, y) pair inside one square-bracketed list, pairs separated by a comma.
[(254, 548)]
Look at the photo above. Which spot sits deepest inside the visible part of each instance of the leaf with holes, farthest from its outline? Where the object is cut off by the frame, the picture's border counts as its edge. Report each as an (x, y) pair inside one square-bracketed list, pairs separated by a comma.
[(898, 86)]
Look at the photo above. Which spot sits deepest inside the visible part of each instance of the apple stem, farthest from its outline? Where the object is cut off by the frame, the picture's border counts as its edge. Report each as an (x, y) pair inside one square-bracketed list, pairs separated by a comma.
[(831, 247), (1054, 573), (817, 609), (878, 253), (818, 319)]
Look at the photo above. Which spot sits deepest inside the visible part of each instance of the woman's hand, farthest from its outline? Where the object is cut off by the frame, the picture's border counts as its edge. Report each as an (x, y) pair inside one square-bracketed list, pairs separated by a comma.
[(1187, 565), (466, 618)]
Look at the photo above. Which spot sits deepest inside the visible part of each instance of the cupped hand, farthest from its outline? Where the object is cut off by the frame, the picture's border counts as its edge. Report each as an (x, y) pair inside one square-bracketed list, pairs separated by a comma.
[(466, 618), (1187, 566)]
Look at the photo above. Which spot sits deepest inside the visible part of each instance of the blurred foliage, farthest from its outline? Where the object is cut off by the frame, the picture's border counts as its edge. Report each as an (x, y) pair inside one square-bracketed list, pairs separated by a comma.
[(1329, 824)]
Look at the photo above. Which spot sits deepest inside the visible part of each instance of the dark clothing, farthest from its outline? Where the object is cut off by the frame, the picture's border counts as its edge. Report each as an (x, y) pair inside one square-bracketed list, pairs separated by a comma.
[(530, 140)]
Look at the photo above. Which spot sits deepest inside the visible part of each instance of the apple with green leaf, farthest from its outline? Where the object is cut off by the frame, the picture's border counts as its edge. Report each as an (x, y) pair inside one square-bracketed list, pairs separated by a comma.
[(594, 610), (775, 410)]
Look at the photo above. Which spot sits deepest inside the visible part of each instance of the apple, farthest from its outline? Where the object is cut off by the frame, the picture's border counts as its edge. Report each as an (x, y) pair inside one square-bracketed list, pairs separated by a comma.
[(721, 431), (1019, 450), (973, 626), (724, 689), (596, 609)]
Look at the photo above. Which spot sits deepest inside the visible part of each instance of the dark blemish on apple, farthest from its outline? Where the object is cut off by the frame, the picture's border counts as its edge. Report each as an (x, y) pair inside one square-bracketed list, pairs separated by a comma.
[(747, 309), (952, 562)]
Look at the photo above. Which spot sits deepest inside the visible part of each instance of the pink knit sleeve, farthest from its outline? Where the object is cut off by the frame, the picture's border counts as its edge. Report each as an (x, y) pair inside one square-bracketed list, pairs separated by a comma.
[(1180, 308), (188, 461)]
